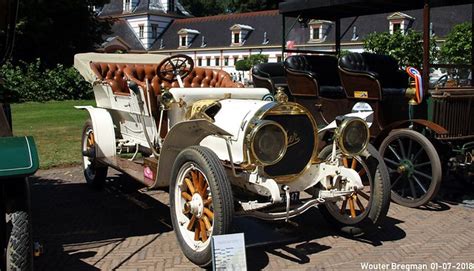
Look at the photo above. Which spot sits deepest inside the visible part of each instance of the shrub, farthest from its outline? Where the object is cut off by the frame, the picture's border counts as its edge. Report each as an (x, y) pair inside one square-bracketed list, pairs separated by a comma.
[(29, 82)]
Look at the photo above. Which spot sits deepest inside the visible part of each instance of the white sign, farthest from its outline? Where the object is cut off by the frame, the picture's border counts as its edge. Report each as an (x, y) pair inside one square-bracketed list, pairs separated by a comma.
[(228, 252)]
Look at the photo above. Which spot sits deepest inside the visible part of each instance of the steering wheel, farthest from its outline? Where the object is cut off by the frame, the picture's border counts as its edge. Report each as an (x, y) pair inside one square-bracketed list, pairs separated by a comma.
[(169, 69)]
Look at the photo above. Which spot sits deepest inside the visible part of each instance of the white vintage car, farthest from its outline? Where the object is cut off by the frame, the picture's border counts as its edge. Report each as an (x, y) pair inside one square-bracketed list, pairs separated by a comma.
[(223, 150)]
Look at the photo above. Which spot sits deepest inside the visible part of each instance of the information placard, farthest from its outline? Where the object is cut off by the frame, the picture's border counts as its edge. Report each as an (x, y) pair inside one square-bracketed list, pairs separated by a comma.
[(228, 252)]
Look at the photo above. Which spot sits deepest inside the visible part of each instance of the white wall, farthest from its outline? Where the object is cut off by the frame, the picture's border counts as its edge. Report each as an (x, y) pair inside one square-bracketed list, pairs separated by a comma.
[(147, 22)]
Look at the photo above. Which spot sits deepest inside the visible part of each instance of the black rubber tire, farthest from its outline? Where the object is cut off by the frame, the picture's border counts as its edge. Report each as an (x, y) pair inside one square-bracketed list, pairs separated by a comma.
[(95, 174), (19, 250), (431, 154), (379, 194), (222, 198)]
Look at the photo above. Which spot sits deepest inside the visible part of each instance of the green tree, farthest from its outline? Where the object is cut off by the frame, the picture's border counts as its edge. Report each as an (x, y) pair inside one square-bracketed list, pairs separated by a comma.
[(247, 64), (200, 8), (251, 5), (458, 46), (55, 30), (406, 48)]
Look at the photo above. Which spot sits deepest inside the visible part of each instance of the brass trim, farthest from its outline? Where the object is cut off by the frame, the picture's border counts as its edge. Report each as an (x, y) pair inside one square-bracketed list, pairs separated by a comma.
[(254, 132), (340, 131)]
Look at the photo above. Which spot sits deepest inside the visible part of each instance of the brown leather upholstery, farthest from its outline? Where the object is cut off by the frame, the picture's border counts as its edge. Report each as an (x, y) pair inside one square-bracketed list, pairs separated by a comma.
[(115, 74)]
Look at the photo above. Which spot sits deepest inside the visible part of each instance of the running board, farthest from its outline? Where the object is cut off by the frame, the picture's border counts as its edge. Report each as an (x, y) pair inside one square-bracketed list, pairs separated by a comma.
[(132, 169)]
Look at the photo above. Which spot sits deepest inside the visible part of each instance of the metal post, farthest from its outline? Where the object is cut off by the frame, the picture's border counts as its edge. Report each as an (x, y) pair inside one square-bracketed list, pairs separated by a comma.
[(338, 36), (426, 46), (283, 38)]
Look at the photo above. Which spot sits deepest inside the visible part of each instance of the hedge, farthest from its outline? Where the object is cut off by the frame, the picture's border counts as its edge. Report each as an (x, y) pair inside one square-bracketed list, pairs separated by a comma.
[(30, 82)]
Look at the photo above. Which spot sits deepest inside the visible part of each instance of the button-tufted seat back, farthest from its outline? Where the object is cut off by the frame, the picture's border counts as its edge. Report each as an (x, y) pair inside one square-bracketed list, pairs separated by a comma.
[(269, 76), (358, 69), (322, 69)]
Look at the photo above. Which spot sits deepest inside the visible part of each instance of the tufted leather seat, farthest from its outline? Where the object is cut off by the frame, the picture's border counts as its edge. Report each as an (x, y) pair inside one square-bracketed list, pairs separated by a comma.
[(113, 74), (378, 76), (269, 76), (314, 75)]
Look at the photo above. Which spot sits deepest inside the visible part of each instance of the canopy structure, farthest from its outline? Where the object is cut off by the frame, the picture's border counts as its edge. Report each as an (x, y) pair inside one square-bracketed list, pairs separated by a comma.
[(335, 10)]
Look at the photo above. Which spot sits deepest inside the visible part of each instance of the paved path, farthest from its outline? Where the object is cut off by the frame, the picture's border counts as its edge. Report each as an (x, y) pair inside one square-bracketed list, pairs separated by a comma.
[(123, 228)]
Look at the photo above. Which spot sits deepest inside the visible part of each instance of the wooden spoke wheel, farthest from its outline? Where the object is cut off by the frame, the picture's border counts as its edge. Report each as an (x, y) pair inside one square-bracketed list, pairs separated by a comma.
[(413, 165), (94, 172), (359, 211), (201, 202)]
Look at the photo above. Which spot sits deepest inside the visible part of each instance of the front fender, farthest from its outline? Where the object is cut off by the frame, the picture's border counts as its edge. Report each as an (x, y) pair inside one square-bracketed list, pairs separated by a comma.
[(104, 133), (438, 129), (18, 157), (181, 136)]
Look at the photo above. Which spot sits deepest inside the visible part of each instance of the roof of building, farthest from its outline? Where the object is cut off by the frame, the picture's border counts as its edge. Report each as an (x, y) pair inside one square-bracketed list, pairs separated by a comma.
[(115, 8), (217, 34), (123, 30), (216, 29)]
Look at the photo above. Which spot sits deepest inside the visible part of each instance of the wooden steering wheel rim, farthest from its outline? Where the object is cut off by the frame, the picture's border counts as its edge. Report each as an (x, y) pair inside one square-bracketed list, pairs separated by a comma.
[(178, 68)]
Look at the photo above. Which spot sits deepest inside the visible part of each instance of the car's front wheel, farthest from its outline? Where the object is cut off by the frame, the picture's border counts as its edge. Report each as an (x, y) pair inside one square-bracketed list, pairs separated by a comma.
[(201, 202), (94, 172), (360, 211)]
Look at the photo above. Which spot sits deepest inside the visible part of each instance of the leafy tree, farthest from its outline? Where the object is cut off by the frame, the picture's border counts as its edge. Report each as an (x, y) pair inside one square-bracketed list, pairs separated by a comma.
[(247, 64), (406, 48), (200, 8), (458, 45), (251, 5), (55, 30)]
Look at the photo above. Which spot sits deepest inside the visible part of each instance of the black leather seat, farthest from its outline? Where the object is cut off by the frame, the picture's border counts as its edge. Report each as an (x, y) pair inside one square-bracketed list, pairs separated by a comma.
[(269, 76), (314, 75), (377, 76)]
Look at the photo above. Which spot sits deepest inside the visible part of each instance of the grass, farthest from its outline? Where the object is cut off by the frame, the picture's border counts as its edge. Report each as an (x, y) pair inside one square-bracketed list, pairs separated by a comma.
[(56, 127)]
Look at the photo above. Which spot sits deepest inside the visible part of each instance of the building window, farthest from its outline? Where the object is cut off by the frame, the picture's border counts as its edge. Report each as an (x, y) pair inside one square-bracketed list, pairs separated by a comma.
[(246, 57), (278, 58), (226, 61), (397, 27), (200, 61), (217, 61), (183, 41), (208, 61), (154, 31), (141, 31), (316, 33), (236, 58), (127, 5), (236, 37)]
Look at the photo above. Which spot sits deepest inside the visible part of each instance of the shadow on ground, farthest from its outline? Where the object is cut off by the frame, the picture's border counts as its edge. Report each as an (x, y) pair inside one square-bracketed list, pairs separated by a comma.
[(71, 218)]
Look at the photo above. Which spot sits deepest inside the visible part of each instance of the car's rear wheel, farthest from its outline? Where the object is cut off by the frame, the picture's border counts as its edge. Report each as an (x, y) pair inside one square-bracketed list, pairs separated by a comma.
[(361, 211), (414, 167), (94, 172), (201, 202)]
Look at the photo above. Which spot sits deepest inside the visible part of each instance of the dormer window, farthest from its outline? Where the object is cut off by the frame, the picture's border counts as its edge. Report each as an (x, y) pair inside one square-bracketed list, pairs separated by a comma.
[(126, 5), (240, 34), (141, 31), (399, 21), (319, 30), (154, 31), (186, 37)]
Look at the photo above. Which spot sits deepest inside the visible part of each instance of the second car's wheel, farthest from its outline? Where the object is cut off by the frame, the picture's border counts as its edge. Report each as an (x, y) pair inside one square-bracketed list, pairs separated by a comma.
[(361, 211), (19, 248), (201, 202), (414, 167), (94, 172)]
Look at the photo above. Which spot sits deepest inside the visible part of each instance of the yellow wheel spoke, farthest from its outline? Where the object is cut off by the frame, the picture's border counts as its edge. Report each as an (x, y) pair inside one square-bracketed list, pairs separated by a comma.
[(354, 163), (203, 190), (191, 223), (362, 172), (361, 207), (196, 233), (351, 207), (186, 196), (209, 213), (203, 230), (196, 183), (208, 202), (190, 185), (344, 161), (207, 222)]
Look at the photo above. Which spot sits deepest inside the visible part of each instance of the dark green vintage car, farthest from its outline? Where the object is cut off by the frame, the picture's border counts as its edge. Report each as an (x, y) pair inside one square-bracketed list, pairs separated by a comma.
[(18, 160)]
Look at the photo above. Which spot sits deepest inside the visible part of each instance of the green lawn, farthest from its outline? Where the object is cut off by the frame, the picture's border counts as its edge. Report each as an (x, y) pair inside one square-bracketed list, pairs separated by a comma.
[(56, 127)]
